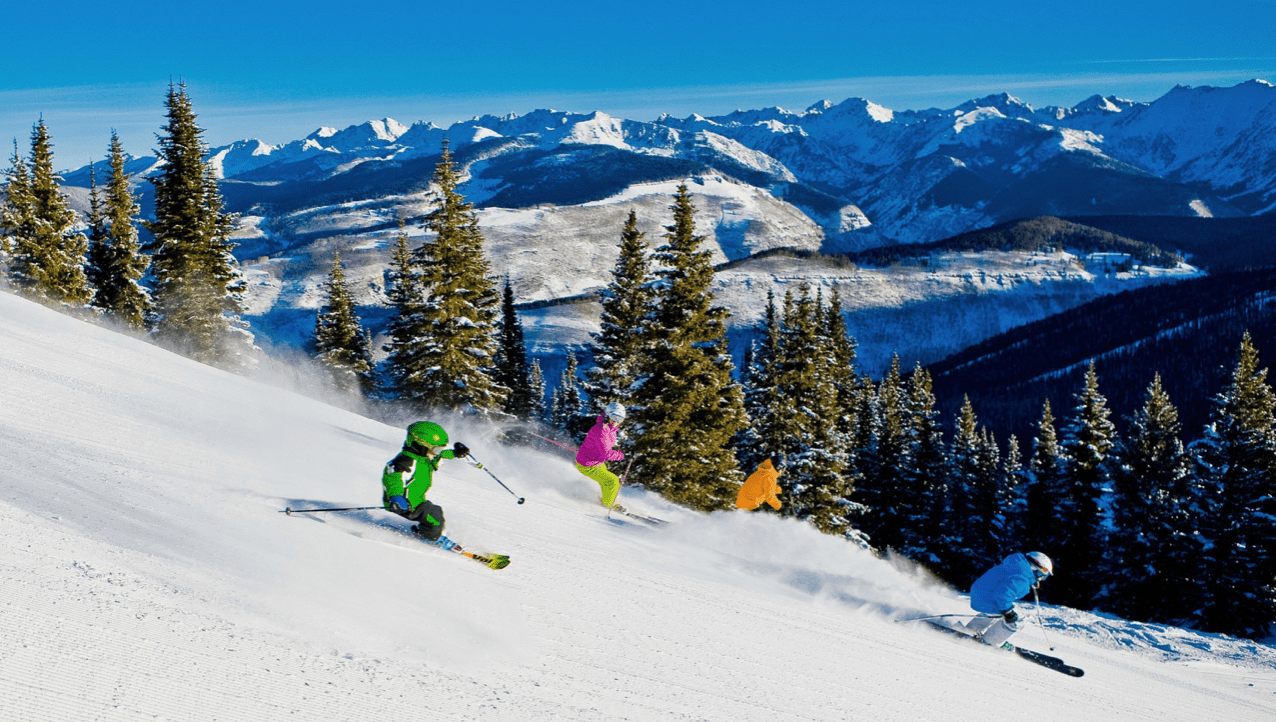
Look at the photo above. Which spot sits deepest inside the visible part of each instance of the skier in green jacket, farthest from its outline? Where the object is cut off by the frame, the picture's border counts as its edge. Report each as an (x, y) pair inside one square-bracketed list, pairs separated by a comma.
[(409, 475)]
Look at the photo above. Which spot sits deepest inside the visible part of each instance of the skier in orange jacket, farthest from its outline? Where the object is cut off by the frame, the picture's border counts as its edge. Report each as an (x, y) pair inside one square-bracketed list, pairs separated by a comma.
[(760, 487)]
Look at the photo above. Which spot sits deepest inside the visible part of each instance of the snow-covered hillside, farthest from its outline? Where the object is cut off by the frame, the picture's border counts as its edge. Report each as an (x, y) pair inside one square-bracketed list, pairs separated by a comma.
[(146, 573)]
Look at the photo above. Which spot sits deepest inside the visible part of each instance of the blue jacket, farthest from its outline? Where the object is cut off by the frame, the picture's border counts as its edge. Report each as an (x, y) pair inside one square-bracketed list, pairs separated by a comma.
[(1000, 587)]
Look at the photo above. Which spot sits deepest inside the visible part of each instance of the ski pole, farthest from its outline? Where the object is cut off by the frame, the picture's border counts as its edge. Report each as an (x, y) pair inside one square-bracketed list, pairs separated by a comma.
[(933, 616), (290, 511), (1036, 607), (565, 446), (626, 474), (498, 481)]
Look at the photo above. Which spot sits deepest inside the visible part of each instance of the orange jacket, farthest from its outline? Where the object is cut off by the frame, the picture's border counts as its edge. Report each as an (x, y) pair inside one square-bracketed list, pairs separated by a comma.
[(760, 487)]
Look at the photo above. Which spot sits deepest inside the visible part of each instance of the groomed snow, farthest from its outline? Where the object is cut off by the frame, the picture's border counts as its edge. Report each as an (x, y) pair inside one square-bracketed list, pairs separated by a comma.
[(146, 573)]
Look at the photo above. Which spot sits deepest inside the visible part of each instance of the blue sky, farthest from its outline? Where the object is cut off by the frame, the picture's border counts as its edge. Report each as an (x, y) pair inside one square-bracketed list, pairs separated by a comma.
[(278, 70)]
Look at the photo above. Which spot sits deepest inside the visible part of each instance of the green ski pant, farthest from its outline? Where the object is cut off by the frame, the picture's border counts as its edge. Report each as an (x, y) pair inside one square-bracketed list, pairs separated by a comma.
[(609, 482)]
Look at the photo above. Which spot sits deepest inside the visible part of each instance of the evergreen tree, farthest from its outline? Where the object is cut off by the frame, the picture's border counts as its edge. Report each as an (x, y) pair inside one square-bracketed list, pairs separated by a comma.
[(1235, 463), (512, 370), (617, 348), (341, 343), (16, 214), (568, 409), (116, 261), (842, 355), (1047, 491), (816, 452), (1012, 504), (687, 408), (95, 257), (1088, 442), (458, 316), (408, 334), (881, 455), (1154, 552), (922, 492), (764, 404), (47, 255), (198, 285), (973, 507), (536, 387)]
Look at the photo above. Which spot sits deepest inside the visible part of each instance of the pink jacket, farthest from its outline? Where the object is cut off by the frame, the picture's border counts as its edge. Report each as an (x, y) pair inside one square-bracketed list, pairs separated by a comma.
[(597, 448)]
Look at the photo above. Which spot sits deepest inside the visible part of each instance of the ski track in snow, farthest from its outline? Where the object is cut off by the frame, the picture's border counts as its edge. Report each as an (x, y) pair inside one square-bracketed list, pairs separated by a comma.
[(146, 573)]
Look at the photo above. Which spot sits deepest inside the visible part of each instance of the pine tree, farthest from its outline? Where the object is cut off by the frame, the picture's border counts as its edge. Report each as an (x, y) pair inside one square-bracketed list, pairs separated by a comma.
[(116, 261), (617, 348), (536, 386), (764, 402), (1047, 492), (973, 504), (817, 453), (1154, 552), (1088, 442), (687, 407), (568, 409), (341, 343), (881, 455), (1235, 462), (408, 334), (47, 261), (458, 316), (198, 285), (512, 370), (922, 491), (1012, 502), (842, 354), (16, 220), (95, 257)]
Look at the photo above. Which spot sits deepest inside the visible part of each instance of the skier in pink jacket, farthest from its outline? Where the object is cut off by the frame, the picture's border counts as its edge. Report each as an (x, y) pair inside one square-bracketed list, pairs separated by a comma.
[(598, 449)]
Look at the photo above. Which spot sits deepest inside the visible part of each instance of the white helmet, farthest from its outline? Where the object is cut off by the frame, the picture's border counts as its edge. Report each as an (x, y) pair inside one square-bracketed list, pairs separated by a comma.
[(1041, 562), (615, 412)]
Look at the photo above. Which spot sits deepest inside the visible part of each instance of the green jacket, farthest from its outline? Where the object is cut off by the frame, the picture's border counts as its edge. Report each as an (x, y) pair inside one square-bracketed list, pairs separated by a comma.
[(411, 474)]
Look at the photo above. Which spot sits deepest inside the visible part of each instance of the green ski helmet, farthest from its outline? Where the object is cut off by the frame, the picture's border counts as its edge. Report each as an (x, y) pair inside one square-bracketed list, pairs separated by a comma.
[(426, 433)]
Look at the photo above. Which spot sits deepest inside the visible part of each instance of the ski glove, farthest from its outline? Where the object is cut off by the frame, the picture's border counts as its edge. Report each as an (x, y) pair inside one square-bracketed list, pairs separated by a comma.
[(399, 504), (460, 450), (1010, 615)]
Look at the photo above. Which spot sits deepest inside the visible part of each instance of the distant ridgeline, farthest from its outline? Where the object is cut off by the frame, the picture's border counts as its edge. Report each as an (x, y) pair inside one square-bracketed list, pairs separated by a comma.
[(1188, 332), (1219, 244), (1034, 235)]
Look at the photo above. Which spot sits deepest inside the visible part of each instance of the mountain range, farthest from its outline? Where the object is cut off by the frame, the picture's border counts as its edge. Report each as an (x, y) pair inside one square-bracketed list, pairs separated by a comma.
[(864, 174)]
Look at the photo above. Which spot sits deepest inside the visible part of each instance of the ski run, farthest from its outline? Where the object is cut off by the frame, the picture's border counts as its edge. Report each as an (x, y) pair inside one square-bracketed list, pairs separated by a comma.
[(147, 574)]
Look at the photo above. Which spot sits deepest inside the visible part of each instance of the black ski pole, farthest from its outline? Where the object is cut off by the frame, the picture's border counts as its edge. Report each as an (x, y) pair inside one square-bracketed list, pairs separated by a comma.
[(498, 481), (290, 511), (1036, 607)]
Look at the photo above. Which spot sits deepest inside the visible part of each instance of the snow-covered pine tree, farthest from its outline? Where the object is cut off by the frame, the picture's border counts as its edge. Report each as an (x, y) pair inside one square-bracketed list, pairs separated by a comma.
[(1012, 504), (15, 212), (1088, 442), (536, 387), (881, 455), (95, 256), (342, 345), (763, 438), (842, 354), (1047, 492), (47, 254), (512, 370), (987, 542), (568, 409), (922, 491), (972, 504), (617, 348), (1154, 553), (198, 284), (816, 453), (687, 406), (458, 317), (1235, 463), (116, 262), (407, 332)]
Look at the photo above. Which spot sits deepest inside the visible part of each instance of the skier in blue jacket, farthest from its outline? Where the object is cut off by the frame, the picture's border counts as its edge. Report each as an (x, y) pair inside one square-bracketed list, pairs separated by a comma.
[(994, 595)]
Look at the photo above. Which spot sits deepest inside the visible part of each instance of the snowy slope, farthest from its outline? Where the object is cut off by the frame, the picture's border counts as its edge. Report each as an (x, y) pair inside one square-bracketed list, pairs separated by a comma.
[(145, 573)]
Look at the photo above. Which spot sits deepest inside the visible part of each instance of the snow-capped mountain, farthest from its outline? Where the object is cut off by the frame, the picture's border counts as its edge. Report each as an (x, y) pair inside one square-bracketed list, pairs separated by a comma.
[(864, 173)]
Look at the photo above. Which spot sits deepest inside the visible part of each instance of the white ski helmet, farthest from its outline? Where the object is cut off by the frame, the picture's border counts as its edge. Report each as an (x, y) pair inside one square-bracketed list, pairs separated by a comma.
[(615, 412), (1041, 562)]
